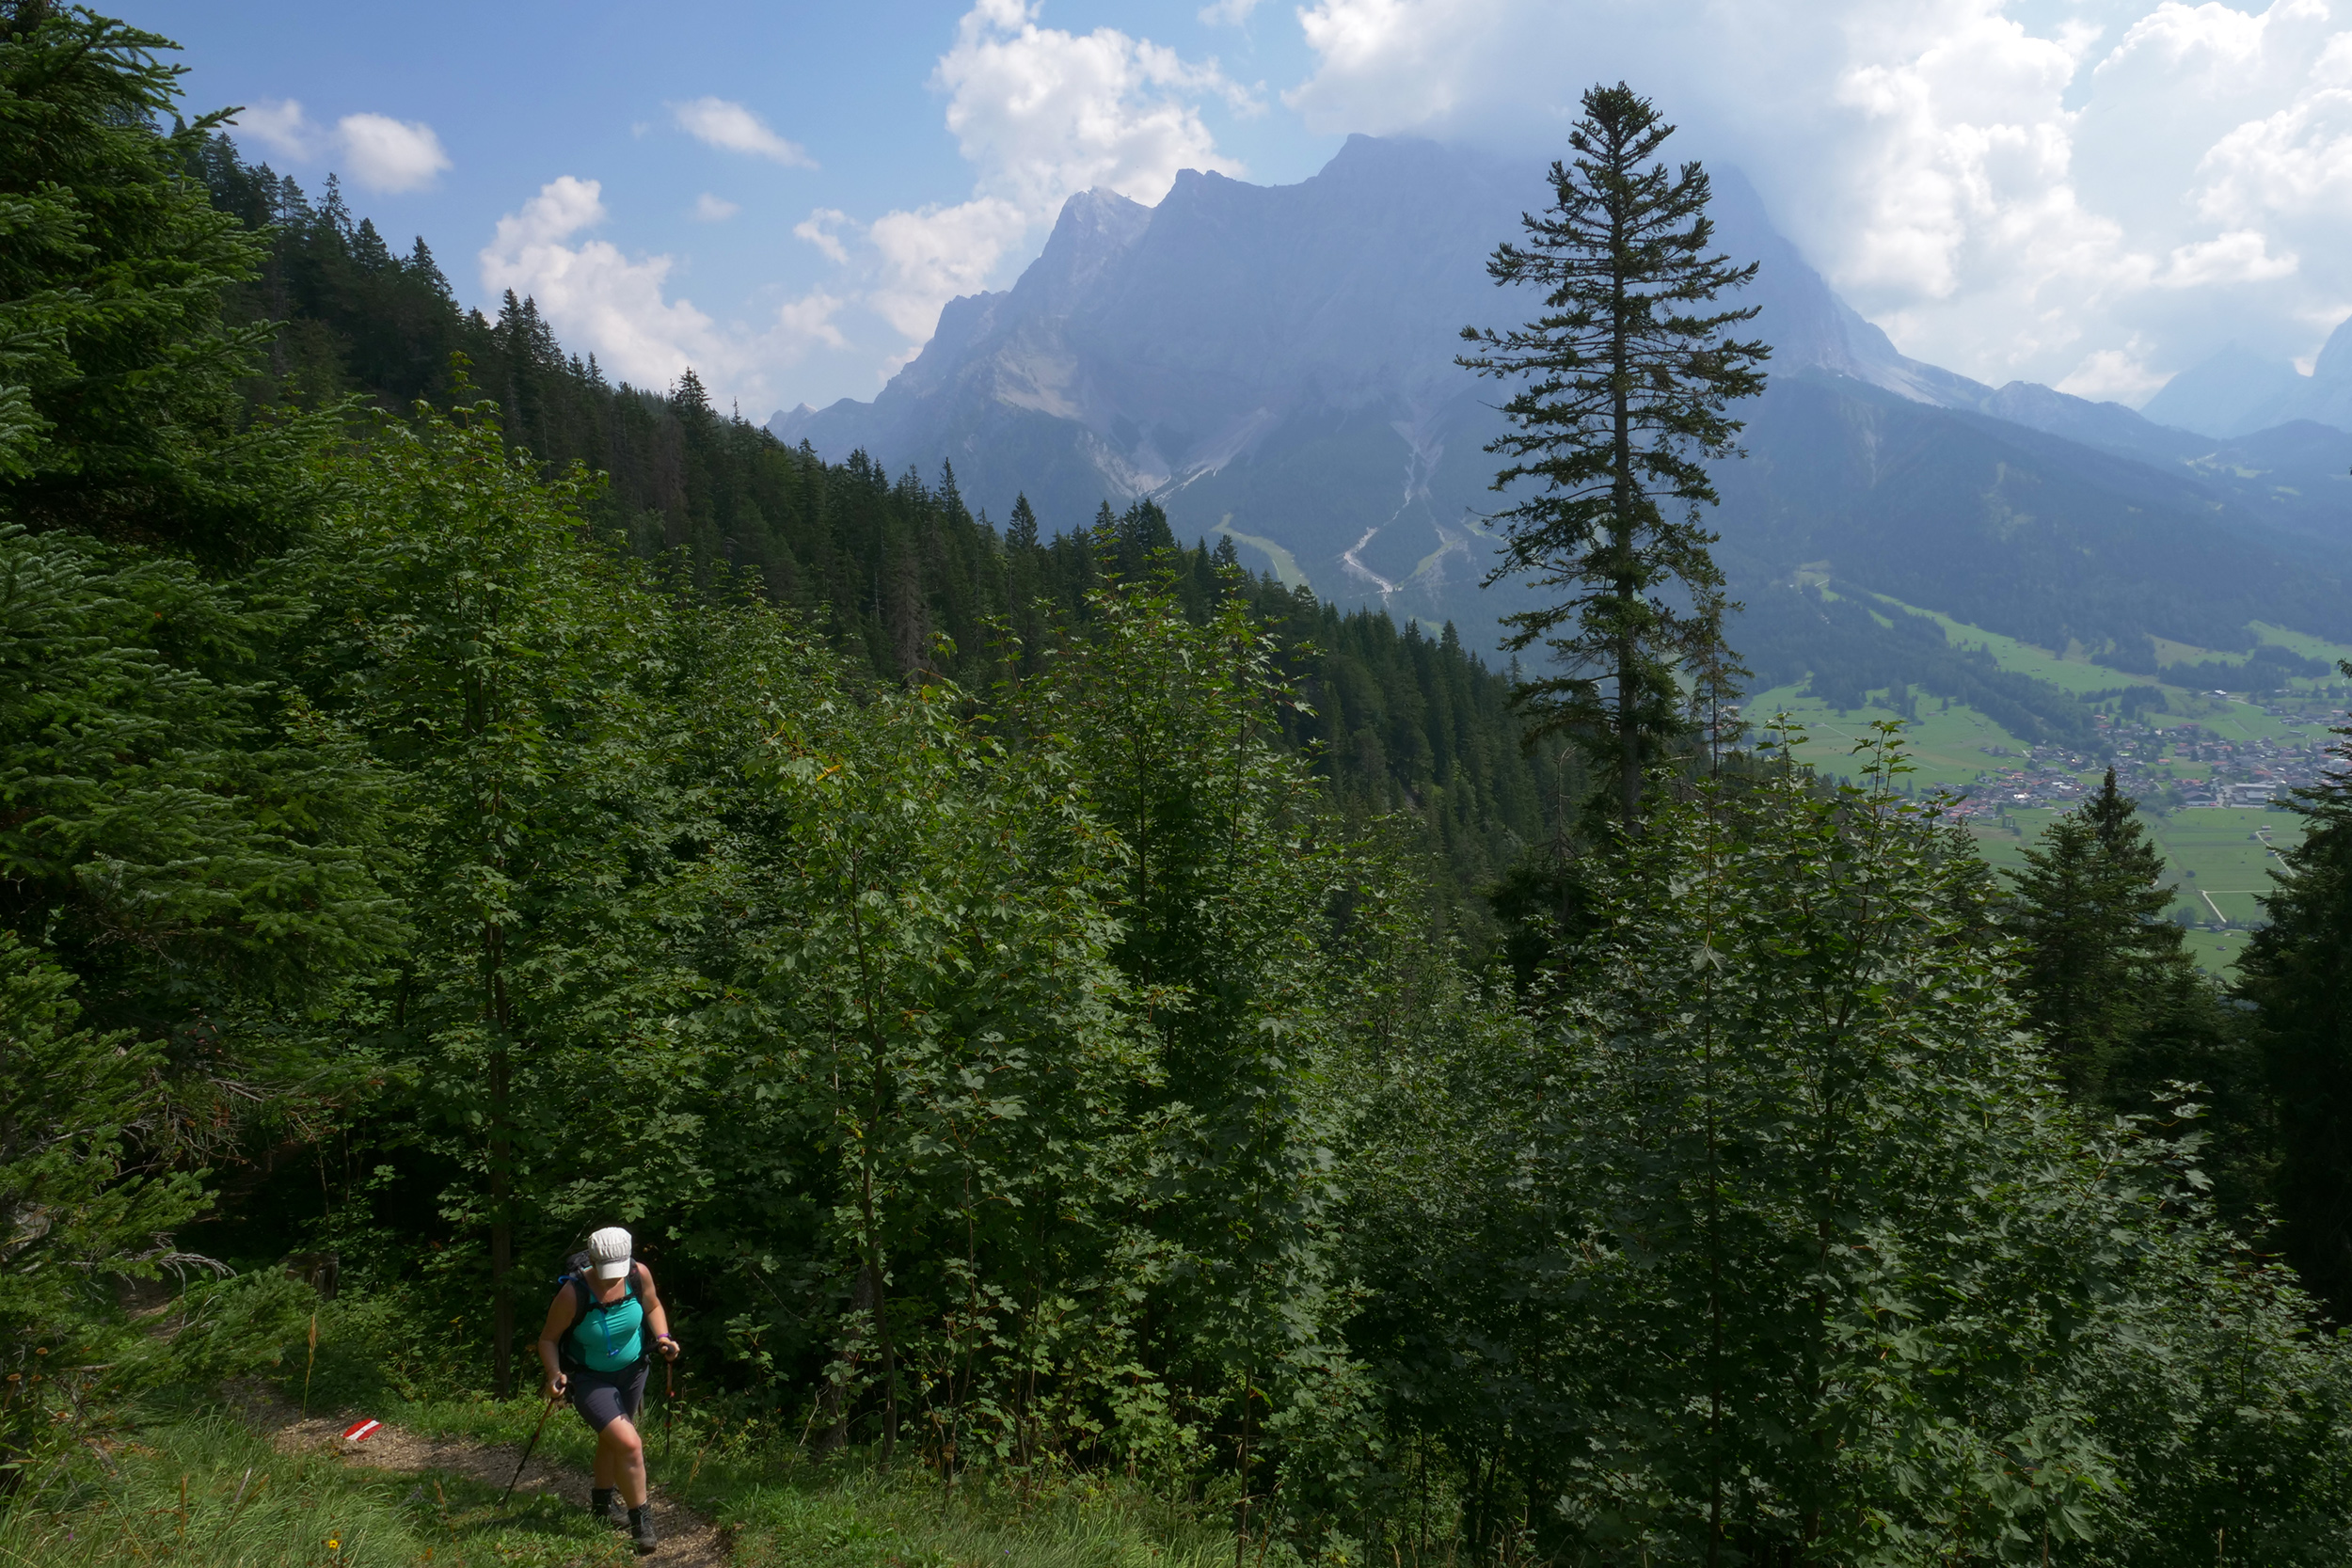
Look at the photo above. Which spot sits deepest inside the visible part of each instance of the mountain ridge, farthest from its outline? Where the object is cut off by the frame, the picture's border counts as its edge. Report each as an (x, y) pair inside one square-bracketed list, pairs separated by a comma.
[(1276, 363)]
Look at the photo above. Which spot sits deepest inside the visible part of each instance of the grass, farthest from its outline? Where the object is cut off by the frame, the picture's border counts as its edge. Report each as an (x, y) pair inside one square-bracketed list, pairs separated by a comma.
[(1286, 568), (2069, 673), (785, 1506), (2223, 855), (205, 1491), (1946, 746)]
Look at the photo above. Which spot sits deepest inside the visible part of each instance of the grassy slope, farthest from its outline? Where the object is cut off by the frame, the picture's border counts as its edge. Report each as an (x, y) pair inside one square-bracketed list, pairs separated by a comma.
[(788, 1508), (246, 1505), (206, 1491)]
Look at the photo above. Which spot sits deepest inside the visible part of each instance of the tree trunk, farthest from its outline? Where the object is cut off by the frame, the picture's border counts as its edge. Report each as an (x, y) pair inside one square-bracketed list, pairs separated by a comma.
[(502, 1234), (1627, 586), (502, 1170), (865, 1296)]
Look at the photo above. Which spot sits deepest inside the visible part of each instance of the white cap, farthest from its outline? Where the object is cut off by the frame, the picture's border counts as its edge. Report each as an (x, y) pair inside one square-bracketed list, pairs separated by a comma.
[(609, 1247)]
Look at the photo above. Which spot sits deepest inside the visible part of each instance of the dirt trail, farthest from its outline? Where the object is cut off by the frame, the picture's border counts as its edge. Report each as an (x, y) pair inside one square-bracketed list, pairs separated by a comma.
[(688, 1539)]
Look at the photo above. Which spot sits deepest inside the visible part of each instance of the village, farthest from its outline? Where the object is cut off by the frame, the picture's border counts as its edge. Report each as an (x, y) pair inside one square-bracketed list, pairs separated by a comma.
[(2169, 767)]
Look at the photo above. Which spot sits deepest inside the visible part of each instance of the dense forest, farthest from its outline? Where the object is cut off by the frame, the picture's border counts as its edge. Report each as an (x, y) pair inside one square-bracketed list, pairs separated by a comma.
[(1026, 993), (883, 567)]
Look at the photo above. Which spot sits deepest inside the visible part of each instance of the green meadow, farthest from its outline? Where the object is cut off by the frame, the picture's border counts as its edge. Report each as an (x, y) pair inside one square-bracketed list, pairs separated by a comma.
[(2221, 860), (1945, 745)]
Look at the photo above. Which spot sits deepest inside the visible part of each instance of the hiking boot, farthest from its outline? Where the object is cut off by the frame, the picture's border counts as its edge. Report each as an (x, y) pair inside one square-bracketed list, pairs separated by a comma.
[(603, 1504), (641, 1529)]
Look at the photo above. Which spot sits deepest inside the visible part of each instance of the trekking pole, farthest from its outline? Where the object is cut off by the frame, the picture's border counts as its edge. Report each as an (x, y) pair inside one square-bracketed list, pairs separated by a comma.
[(669, 1404), (528, 1446)]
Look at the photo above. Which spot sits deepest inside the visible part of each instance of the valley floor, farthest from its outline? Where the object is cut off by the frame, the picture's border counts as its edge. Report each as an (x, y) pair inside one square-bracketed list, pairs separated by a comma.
[(2202, 765)]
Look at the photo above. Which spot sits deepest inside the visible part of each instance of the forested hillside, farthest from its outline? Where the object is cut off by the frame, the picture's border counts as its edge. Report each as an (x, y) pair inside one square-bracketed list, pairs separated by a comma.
[(882, 565), (1037, 1076)]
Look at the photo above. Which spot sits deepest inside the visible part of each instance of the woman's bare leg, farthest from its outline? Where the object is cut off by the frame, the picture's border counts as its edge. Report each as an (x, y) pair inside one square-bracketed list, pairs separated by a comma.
[(621, 1461), (607, 1466)]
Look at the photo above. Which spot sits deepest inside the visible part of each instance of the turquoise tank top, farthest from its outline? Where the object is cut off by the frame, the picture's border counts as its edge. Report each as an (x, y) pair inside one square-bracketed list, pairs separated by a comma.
[(611, 1335)]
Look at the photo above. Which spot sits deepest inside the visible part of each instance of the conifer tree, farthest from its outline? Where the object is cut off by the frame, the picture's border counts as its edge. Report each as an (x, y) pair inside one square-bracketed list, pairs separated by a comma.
[(2110, 983), (2099, 953), (1626, 374), (692, 401), (1021, 528), (2298, 972)]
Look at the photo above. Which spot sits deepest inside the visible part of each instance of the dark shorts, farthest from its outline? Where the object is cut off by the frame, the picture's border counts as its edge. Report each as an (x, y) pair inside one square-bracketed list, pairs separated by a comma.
[(603, 1398)]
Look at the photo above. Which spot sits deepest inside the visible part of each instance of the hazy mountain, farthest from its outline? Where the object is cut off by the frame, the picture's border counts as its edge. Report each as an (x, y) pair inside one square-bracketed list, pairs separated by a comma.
[(1277, 362), (2237, 392)]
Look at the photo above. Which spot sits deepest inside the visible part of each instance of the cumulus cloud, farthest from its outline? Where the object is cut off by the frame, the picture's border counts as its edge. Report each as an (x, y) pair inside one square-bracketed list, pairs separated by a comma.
[(932, 255), (281, 127), (1041, 114), (386, 154), (2097, 194), (597, 299), (378, 152), (1044, 113), (2113, 375), (817, 230), (809, 319), (731, 128), (714, 209)]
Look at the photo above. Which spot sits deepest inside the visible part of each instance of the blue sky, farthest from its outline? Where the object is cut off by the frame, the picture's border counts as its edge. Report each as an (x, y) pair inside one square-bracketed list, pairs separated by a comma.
[(2089, 192), (519, 95)]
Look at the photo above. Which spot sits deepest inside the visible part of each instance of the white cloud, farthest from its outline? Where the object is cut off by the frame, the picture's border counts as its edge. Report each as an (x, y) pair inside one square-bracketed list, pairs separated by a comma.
[(817, 230), (597, 299), (2113, 375), (930, 256), (2293, 163), (733, 128), (1227, 13), (283, 127), (386, 154), (1046, 113), (1042, 113), (2241, 256), (810, 318), (2012, 189), (712, 209)]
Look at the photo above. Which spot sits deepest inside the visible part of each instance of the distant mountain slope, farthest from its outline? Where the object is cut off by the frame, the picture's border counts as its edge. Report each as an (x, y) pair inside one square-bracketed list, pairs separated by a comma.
[(2237, 392), (2014, 529), (1277, 363)]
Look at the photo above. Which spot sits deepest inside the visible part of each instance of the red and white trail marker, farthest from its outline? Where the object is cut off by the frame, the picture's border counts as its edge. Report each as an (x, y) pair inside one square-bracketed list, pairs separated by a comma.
[(360, 1431)]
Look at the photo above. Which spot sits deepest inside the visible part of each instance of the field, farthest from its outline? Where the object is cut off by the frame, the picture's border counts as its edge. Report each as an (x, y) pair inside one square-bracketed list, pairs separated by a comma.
[(2221, 860), (1945, 745)]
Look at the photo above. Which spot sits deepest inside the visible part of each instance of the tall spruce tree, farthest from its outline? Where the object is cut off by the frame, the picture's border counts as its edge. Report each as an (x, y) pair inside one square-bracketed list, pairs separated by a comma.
[(2110, 983), (2097, 948), (1021, 531), (2298, 972), (1626, 375), (186, 876)]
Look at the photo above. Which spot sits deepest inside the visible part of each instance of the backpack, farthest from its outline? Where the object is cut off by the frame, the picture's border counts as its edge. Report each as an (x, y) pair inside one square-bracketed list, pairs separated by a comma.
[(584, 1300)]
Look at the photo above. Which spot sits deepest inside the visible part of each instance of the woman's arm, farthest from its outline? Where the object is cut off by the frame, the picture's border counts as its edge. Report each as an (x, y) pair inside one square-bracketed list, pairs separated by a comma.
[(658, 1316), (559, 1319)]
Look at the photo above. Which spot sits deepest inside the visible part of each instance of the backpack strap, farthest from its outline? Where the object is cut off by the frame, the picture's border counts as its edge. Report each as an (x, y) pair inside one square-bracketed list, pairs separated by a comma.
[(565, 1357)]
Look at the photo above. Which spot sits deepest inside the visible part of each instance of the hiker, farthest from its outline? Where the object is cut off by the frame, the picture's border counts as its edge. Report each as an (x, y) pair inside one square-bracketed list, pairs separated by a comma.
[(601, 1332)]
